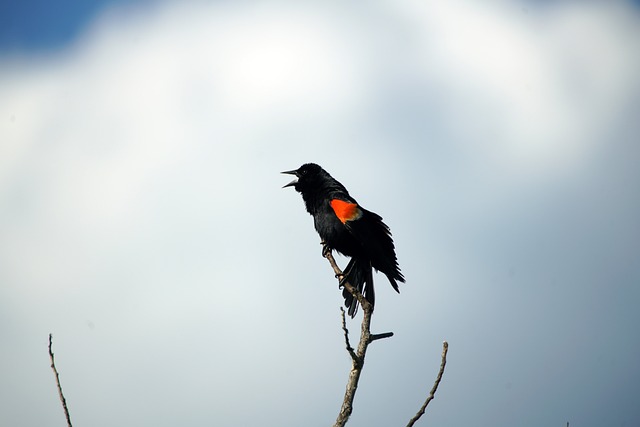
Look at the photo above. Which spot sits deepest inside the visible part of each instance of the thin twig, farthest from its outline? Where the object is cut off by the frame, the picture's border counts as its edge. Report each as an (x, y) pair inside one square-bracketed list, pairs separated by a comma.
[(55, 371), (445, 348), (352, 353), (375, 337)]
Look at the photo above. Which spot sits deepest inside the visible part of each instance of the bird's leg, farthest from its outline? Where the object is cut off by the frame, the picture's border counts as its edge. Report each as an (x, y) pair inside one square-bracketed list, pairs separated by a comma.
[(343, 276), (326, 250)]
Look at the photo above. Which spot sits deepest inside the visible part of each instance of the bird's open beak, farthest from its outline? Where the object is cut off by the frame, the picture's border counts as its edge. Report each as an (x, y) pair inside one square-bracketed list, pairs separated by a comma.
[(295, 181)]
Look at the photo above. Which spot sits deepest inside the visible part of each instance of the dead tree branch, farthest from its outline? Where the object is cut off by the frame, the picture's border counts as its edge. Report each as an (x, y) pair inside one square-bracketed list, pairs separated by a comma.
[(432, 393), (358, 355), (55, 371)]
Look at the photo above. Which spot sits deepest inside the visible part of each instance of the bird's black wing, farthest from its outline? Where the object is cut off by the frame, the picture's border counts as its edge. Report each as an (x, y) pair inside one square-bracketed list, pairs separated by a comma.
[(375, 238)]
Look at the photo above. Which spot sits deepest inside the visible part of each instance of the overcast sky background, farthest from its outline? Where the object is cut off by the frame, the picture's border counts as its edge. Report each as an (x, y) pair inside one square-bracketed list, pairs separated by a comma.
[(143, 223)]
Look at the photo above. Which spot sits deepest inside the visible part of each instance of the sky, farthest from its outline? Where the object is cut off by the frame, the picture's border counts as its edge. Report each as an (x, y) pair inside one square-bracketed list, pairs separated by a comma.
[(143, 223)]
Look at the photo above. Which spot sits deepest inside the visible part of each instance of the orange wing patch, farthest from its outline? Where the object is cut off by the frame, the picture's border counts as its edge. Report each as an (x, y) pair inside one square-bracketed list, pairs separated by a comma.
[(345, 211)]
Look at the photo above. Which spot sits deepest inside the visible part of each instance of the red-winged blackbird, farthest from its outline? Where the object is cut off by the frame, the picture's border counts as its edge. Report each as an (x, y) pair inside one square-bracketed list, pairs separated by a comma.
[(350, 229)]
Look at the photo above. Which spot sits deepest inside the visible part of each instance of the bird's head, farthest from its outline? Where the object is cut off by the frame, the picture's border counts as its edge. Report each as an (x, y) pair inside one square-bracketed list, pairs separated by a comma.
[(308, 176)]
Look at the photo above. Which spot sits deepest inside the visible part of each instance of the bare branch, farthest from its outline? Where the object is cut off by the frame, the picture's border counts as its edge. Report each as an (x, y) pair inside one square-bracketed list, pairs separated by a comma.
[(357, 356), (432, 393), (55, 371), (352, 353), (366, 338), (357, 363)]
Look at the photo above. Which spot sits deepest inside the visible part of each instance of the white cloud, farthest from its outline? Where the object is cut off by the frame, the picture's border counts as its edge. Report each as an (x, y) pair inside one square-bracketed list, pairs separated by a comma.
[(535, 87)]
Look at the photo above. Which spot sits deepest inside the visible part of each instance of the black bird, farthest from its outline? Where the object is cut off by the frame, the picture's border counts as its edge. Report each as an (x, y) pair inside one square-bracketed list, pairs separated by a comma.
[(350, 229)]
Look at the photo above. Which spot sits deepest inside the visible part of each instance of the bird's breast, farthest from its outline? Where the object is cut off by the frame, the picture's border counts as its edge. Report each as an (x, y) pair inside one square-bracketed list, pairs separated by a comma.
[(334, 233)]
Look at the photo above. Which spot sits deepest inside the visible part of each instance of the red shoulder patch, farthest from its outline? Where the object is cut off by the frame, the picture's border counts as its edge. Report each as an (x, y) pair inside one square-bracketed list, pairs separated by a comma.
[(345, 211)]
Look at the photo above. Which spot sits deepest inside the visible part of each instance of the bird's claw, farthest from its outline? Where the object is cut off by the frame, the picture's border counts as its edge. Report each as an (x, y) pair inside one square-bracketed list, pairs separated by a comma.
[(326, 250)]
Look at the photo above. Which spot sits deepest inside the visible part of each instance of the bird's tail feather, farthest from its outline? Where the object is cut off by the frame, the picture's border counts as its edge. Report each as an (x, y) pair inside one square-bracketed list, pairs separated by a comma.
[(358, 274)]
